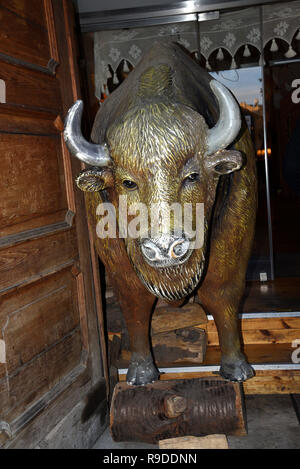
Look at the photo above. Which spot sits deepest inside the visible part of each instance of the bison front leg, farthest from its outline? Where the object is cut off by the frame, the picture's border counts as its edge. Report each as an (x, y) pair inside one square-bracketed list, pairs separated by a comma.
[(135, 300), (223, 303), (136, 305), (137, 314)]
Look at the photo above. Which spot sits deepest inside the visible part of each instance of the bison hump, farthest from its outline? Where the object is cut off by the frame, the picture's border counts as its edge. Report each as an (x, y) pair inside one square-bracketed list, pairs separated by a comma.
[(156, 81)]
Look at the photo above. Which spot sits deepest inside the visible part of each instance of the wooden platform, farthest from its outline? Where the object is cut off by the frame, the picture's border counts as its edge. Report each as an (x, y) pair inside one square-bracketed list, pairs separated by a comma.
[(270, 328)]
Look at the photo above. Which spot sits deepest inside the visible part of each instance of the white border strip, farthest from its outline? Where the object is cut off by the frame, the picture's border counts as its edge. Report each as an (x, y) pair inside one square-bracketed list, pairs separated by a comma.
[(285, 314), (211, 368)]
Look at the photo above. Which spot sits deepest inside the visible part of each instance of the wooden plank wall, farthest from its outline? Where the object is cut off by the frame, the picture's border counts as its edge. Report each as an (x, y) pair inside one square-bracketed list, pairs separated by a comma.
[(48, 317)]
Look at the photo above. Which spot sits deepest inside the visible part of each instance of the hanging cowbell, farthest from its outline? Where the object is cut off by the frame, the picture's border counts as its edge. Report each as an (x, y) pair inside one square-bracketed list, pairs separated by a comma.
[(290, 53), (233, 64), (220, 55), (108, 72), (274, 46), (246, 52), (262, 61), (115, 79), (126, 67)]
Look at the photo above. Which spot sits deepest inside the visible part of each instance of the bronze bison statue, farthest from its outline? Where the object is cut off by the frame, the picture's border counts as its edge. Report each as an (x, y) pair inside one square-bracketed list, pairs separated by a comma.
[(169, 134)]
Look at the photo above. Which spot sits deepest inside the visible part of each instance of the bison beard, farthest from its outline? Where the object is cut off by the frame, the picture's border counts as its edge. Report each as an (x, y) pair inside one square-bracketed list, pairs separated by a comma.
[(168, 283)]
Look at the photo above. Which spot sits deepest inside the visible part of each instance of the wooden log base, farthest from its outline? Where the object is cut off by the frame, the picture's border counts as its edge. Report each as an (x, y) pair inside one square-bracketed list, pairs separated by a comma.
[(177, 408), (193, 442)]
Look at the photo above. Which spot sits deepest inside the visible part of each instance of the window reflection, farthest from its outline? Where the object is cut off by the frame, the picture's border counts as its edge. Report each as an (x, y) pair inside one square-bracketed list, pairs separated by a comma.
[(246, 85)]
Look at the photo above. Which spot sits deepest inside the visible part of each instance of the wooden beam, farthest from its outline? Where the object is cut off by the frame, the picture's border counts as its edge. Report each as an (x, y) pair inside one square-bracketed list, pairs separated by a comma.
[(193, 442), (186, 345), (167, 318)]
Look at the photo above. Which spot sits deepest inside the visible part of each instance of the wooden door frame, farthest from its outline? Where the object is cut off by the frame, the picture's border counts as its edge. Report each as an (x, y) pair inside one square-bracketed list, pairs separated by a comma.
[(84, 227)]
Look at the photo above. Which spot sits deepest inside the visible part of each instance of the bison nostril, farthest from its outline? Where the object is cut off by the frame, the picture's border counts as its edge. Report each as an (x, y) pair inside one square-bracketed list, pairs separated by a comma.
[(149, 252), (179, 248)]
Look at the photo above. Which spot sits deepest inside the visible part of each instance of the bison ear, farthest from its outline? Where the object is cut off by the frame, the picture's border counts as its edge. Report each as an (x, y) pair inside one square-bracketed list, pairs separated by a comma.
[(225, 161), (94, 180)]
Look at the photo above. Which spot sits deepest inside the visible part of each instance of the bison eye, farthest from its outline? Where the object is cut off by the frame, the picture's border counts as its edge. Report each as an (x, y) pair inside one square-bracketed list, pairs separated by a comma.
[(192, 177), (129, 184)]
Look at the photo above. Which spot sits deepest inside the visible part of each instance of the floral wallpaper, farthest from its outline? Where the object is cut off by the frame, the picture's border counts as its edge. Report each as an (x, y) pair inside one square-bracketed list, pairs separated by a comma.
[(234, 32)]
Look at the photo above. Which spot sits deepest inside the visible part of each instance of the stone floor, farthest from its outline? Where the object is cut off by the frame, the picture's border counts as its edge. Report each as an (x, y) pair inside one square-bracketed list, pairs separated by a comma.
[(272, 424)]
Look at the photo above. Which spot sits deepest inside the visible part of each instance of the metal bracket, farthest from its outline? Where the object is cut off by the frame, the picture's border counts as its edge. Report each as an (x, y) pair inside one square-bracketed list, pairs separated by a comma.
[(208, 16)]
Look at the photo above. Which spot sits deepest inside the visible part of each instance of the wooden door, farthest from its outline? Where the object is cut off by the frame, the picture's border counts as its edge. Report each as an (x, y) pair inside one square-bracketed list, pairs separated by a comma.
[(51, 372)]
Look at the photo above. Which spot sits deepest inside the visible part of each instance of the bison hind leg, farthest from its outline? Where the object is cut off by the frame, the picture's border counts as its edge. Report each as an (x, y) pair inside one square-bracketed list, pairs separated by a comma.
[(141, 370), (237, 369)]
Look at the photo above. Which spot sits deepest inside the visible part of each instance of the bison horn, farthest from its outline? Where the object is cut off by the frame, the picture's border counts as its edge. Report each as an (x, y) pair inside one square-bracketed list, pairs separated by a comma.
[(90, 153), (229, 123)]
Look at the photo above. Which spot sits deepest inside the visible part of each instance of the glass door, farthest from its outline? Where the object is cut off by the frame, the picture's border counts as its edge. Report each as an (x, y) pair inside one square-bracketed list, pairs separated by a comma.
[(282, 84), (246, 85), (230, 49)]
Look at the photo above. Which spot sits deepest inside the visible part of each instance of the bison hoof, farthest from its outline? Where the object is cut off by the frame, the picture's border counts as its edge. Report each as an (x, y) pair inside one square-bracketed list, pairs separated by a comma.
[(141, 371), (236, 370)]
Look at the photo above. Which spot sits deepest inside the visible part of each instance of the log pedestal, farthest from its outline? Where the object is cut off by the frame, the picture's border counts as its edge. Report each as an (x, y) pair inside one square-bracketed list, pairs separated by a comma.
[(177, 408)]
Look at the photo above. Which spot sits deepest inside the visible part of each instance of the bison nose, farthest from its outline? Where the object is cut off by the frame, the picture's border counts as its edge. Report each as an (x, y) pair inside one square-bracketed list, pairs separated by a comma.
[(164, 251)]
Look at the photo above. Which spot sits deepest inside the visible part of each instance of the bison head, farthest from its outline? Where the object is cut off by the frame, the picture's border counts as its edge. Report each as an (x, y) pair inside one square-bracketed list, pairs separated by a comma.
[(160, 152)]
